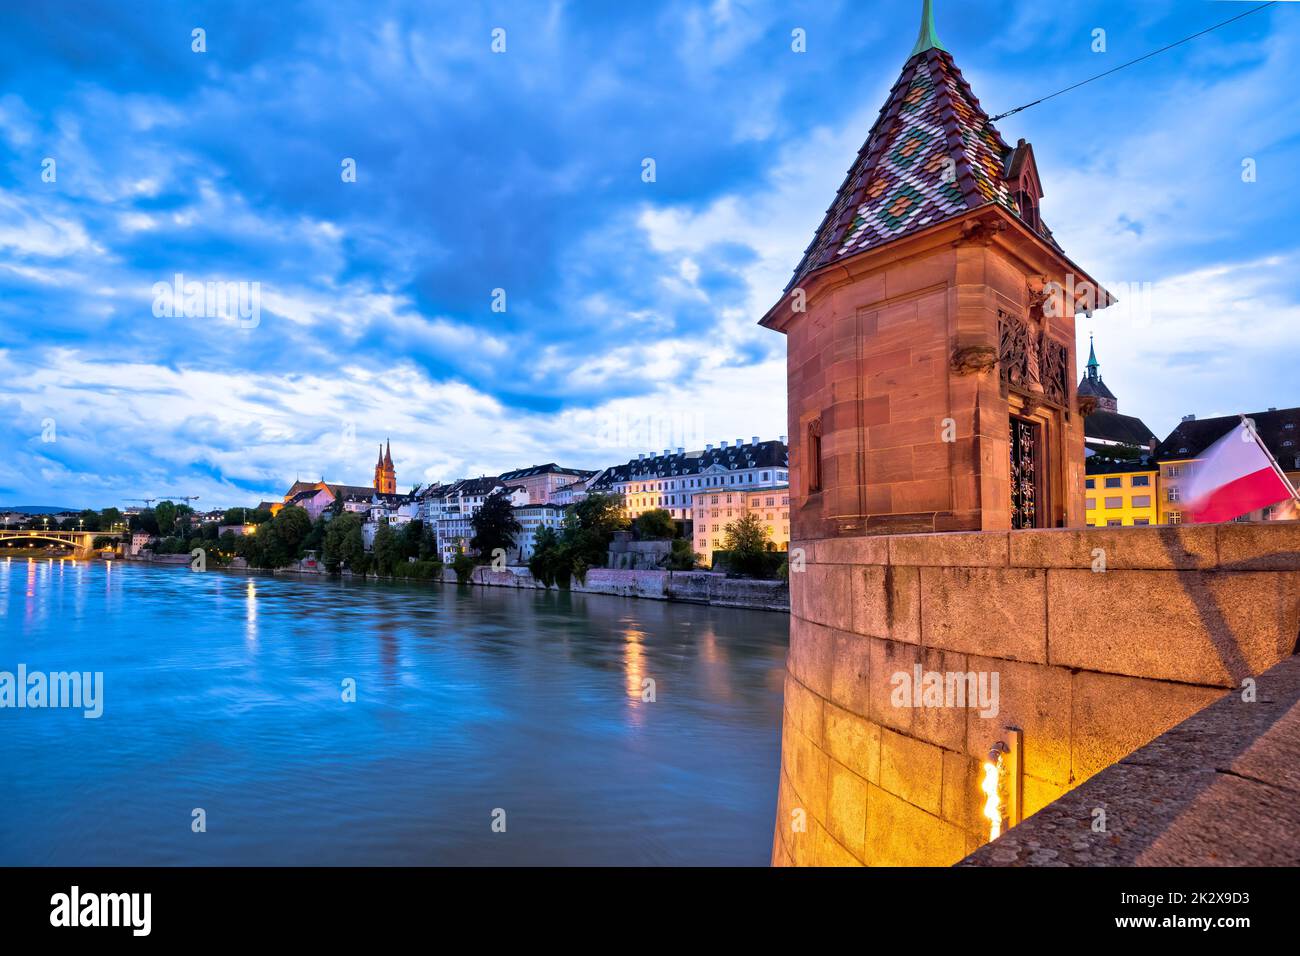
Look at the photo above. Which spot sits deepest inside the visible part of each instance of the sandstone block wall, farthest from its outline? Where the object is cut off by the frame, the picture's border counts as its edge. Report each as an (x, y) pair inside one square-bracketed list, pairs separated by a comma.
[(1092, 664)]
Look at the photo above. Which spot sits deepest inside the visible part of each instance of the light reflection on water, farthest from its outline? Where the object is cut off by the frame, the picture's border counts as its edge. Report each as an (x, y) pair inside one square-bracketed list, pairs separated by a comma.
[(225, 692)]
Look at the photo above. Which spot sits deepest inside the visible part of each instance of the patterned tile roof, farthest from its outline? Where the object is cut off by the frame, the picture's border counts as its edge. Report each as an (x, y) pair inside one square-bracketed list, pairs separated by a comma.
[(932, 154)]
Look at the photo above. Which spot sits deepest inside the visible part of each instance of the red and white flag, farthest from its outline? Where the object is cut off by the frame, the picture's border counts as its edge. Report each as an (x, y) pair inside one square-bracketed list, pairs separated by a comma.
[(1237, 475)]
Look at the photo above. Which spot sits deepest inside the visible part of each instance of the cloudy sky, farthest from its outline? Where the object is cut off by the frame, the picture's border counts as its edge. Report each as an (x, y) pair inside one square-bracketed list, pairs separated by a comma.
[(629, 306)]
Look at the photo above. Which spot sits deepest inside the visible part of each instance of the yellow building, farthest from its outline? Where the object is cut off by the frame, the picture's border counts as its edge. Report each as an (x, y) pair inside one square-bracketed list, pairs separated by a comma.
[(712, 511), (1121, 478), (1121, 493)]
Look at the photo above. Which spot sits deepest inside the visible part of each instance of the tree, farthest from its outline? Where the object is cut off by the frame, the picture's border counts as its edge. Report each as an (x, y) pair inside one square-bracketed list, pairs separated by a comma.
[(495, 526), (411, 539), (746, 535), (655, 525), (590, 525), (683, 558), (282, 539), (387, 549), (345, 543), (746, 539), (146, 521), (165, 513), (109, 519)]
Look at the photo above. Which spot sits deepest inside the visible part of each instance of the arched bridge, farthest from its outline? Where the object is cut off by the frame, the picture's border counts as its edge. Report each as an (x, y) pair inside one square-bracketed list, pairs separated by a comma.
[(81, 542)]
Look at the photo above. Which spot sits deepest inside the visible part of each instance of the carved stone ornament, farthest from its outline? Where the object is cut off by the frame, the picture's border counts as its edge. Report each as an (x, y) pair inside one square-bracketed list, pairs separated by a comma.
[(981, 231), (973, 359)]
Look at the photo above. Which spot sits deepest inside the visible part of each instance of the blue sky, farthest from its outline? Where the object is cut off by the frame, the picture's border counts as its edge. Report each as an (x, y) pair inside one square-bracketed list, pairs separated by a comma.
[(630, 307)]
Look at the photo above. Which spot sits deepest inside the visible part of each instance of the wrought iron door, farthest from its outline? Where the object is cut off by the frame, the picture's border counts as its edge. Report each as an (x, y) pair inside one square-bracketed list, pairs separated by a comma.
[(1024, 473)]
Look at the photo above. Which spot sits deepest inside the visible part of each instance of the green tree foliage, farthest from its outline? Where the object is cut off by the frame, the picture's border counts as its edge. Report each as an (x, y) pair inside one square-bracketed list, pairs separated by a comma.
[(655, 525), (387, 548), (682, 558), (747, 543), (581, 544), (428, 544), (146, 521), (165, 513), (280, 542), (495, 526), (463, 565), (412, 538), (547, 562), (110, 518), (345, 544)]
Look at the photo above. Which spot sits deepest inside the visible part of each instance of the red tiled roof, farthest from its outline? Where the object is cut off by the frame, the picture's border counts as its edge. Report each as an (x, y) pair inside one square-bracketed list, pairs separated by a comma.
[(901, 181)]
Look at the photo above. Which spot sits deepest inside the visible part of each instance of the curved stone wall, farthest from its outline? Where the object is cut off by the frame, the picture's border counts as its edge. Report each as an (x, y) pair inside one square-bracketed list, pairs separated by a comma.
[(1100, 640)]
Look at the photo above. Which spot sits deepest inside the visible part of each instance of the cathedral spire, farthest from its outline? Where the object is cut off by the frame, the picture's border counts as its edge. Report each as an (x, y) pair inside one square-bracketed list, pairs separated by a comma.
[(1093, 364), (928, 38)]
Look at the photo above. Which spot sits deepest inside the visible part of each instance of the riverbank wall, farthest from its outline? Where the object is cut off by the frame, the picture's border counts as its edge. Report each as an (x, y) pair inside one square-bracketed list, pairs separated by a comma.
[(691, 587)]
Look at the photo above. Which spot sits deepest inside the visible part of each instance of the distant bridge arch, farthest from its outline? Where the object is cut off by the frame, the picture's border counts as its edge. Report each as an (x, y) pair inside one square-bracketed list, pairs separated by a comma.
[(81, 542)]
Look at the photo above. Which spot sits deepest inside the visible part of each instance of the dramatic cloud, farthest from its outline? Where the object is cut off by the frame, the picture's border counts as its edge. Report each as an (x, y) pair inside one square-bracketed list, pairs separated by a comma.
[(127, 159)]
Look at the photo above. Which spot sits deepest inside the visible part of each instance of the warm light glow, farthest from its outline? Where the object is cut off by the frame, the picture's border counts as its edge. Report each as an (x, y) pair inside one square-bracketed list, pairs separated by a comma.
[(250, 612), (993, 804)]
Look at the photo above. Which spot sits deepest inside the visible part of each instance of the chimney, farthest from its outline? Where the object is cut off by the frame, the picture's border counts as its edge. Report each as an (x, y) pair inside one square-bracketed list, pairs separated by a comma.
[(640, 456), (1189, 418), (667, 452), (783, 439), (722, 445), (708, 447), (739, 442), (681, 450), (755, 441)]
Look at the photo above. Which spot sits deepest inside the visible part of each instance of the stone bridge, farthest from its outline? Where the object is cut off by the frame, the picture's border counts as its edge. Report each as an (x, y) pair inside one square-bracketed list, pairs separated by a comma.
[(80, 542)]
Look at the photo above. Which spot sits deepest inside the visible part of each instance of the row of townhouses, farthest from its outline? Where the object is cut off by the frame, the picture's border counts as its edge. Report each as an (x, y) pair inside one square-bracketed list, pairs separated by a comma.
[(702, 490)]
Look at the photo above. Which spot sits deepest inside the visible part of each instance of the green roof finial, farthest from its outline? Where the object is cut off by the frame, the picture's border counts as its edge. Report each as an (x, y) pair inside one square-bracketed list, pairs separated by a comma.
[(927, 39), (1092, 354)]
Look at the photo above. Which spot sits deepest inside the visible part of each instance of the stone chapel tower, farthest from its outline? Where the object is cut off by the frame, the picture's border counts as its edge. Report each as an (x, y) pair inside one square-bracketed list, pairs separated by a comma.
[(931, 359)]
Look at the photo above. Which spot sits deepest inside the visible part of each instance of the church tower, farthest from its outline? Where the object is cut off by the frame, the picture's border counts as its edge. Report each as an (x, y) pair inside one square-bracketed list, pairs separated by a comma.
[(1093, 387), (930, 327), (385, 475)]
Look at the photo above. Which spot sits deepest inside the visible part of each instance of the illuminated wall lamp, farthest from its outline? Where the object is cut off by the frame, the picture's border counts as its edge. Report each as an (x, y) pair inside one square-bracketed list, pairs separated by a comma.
[(1003, 783)]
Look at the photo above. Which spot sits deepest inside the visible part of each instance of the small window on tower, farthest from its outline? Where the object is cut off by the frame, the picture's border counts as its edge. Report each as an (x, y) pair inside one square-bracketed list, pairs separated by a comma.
[(814, 456)]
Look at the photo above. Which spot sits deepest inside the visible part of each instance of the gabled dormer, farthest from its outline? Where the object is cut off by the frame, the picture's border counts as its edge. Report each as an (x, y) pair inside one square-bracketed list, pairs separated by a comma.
[(1024, 184)]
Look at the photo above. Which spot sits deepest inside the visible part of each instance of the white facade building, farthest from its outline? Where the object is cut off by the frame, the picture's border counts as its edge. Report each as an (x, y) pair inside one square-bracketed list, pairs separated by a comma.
[(670, 481)]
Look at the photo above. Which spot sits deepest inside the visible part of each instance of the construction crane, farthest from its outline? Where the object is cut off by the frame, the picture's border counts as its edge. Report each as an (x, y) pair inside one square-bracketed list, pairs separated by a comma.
[(150, 501)]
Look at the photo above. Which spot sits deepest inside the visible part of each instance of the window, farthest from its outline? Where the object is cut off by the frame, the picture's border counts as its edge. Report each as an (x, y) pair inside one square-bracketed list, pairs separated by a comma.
[(1114, 482), (814, 456), (1114, 523), (1115, 502), (1090, 504), (1173, 493), (1141, 521), (1172, 471), (1090, 483), (1141, 501), (1141, 481), (1175, 518)]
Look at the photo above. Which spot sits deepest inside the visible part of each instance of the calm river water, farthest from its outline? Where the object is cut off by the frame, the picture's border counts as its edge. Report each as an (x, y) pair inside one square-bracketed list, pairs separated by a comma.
[(225, 692)]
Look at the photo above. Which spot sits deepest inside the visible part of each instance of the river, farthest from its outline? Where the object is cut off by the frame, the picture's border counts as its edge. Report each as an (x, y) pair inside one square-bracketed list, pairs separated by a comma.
[(489, 726)]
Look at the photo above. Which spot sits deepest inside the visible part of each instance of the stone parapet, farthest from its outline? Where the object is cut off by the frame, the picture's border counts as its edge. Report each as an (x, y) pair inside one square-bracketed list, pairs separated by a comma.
[(1100, 640)]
